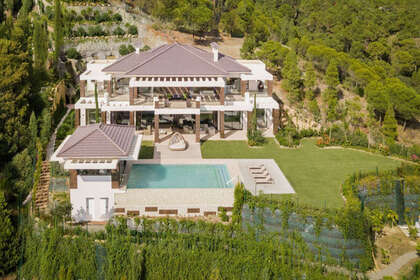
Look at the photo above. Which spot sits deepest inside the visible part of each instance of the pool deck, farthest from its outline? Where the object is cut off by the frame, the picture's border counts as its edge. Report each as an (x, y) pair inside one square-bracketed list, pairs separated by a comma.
[(208, 200)]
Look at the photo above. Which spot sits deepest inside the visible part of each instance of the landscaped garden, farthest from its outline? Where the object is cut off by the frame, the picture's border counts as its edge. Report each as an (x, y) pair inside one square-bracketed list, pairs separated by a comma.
[(315, 173), (146, 150)]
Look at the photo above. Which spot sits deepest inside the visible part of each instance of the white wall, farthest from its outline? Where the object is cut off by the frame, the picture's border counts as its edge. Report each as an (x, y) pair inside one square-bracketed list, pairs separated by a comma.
[(95, 187)]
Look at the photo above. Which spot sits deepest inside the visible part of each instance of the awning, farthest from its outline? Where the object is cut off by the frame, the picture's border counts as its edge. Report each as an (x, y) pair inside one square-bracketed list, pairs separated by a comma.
[(177, 82)]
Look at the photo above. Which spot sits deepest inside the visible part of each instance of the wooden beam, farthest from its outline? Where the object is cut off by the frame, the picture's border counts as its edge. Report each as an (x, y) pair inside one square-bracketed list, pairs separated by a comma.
[(276, 120), (222, 124), (269, 87), (76, 118), (222, 95), (156, 132), (132, 118), (82, 88), (197, 128), (115, 178), (73, 178), (244, 84)]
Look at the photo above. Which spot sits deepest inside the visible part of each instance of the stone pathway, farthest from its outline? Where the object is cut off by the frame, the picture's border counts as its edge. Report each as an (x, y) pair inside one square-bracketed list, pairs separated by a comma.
[(394, 267), (51, 144)]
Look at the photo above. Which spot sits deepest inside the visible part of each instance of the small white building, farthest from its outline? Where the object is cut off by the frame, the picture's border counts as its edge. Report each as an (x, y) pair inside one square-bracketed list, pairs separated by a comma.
[(95, 157)]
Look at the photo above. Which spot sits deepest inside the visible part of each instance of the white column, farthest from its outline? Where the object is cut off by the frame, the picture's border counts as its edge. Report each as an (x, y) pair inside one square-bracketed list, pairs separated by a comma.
[(108, 117), (82, 117), (245, 120), (269, 117)]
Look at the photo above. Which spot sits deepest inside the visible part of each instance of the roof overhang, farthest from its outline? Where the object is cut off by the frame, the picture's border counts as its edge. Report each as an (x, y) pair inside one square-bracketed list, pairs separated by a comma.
[(258, 71), (177, 82), (90, 164)]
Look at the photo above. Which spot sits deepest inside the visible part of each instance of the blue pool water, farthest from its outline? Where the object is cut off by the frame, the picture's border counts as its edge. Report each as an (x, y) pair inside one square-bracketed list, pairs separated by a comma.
[(159, 176)]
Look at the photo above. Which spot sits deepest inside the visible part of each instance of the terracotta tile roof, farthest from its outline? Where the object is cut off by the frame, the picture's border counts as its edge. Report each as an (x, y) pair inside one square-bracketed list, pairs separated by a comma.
[(176, 60), (99, 141)]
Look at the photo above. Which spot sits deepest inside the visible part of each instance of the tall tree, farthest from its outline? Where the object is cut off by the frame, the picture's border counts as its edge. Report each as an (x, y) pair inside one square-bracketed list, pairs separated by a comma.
[(309, 80), (40, 45), (8, 240), (14, 93), (44, 134), (33, 136), (389, 127), (58, 30), (331, 75)]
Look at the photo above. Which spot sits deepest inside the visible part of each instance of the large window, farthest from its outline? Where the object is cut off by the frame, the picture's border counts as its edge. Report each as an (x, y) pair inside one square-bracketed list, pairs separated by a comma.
[(233, 120), (94, 172), (120, 118), (90, 116)]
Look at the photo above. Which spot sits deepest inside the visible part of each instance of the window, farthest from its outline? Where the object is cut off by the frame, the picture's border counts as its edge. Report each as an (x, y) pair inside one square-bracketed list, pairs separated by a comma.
[(90, 116), (94, 172), (233, 120)]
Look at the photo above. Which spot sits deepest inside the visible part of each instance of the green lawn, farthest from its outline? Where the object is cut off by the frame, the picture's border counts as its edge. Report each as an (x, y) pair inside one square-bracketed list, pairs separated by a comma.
[(314, 173), (146, 150)]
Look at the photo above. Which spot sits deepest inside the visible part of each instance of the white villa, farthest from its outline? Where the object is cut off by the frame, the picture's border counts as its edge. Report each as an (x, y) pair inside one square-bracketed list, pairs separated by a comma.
[(172, 88)]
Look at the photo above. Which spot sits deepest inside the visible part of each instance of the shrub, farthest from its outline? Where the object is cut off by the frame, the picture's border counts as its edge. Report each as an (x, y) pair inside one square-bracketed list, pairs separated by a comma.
[(118, 31), (132, 30), (223, 215), (81, 32), (96, 31), (126, 49), (418, 248), (412, 232), (73, 54), (386, 258), (117, 17)]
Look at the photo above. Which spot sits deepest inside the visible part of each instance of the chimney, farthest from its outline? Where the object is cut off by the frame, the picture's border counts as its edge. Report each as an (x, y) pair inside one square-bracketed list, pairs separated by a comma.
[(215, 50)]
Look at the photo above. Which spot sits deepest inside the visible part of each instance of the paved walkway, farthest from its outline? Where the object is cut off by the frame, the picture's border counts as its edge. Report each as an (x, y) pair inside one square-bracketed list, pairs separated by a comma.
[(394, 267), (193, 150)]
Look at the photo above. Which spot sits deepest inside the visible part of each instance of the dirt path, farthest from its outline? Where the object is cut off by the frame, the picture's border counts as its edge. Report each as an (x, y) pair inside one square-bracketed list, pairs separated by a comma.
[(394, 267)]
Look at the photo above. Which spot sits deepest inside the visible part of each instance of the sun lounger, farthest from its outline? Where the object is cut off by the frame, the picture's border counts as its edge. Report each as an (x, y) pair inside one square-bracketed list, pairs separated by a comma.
[(261, 176), (256, 166), (258, 171), (264, 181)]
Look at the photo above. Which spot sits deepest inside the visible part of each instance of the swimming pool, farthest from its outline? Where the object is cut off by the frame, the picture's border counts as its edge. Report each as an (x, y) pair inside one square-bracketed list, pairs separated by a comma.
[(161, 176)]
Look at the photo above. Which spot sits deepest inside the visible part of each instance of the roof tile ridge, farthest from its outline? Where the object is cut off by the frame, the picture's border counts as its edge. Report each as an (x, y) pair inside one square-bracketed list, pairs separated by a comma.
[(109, 138), (224, 56), (150, 58), (211, 64), (83, 138)]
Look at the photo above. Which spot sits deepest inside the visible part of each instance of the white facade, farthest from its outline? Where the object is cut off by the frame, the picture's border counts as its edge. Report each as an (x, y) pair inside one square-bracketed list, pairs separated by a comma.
[(93, 200)]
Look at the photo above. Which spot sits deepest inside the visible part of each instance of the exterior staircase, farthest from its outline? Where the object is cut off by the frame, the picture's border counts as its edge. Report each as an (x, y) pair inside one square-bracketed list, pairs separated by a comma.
[(42, 192)]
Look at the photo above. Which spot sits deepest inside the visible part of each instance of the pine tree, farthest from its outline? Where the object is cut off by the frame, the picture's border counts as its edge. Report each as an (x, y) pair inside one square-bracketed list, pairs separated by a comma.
[(331, 75), (389, 126), (8, 241), (309, 80)]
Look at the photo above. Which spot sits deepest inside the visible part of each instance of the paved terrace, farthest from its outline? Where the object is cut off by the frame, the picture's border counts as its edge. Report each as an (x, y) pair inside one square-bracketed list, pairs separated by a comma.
[(207, 200)]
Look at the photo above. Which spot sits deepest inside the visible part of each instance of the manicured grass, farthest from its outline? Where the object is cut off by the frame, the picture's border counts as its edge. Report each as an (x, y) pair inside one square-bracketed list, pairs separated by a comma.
[(316, 174), (146, 150)]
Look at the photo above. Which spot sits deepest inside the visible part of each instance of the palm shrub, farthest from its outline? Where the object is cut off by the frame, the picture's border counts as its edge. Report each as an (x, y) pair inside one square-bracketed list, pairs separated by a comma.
[(132, 30)]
